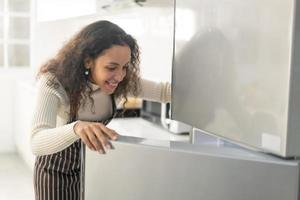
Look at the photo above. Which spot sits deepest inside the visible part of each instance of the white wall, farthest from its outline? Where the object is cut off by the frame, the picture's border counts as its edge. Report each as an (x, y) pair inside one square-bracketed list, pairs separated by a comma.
[(6, 117), (8, 80), (24, 101)]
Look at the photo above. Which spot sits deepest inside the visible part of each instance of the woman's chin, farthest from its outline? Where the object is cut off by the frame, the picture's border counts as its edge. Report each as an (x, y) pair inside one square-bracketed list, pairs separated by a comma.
[(109, 90)]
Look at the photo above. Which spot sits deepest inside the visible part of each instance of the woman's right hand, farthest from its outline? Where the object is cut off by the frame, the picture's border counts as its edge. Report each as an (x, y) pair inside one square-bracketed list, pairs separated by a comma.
[(95, 135)]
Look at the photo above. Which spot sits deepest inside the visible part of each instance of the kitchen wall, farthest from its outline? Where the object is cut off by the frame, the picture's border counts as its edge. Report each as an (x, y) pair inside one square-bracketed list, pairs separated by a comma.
[(6, 117), (8, 79)]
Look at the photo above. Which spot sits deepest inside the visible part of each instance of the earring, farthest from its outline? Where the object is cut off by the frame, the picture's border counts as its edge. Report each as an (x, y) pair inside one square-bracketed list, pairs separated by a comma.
[(87, 71)]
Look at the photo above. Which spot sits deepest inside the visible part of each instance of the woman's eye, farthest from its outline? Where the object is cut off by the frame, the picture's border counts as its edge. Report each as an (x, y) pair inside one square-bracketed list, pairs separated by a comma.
[(111, 68)]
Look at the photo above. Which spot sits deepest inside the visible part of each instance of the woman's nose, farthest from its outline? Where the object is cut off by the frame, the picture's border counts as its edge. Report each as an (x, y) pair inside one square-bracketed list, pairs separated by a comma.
[(120, 75)]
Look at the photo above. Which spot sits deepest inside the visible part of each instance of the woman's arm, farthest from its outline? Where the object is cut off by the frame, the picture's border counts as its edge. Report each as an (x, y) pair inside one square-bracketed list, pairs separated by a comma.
[(155, 91), (46, 138)]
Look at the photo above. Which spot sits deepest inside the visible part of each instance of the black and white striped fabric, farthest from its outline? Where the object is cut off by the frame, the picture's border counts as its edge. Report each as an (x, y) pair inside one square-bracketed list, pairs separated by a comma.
[(58, 176)]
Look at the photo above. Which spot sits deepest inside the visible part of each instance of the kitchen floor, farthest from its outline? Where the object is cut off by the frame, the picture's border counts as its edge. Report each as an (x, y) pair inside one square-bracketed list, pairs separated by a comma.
[(15, 178)]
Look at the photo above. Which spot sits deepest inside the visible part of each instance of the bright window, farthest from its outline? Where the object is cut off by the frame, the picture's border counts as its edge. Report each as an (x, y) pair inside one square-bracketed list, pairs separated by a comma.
[(15, 33)]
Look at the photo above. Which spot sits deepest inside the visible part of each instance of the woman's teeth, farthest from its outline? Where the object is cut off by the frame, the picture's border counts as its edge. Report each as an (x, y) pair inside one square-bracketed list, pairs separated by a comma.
[(113, 83)]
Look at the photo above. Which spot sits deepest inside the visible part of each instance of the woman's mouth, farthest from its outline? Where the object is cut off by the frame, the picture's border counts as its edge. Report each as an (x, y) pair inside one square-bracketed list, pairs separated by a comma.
[(111, 85)]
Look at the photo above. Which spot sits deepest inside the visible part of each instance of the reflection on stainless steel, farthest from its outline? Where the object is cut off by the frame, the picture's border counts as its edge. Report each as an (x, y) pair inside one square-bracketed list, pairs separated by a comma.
[(236, 74)]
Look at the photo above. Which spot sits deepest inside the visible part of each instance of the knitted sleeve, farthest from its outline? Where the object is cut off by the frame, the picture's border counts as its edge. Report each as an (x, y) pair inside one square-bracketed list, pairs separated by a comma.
[(155, 91), (46, 138)]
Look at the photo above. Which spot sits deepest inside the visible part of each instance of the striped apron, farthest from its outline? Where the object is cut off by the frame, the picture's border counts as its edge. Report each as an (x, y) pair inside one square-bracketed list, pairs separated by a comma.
[(58, 176)]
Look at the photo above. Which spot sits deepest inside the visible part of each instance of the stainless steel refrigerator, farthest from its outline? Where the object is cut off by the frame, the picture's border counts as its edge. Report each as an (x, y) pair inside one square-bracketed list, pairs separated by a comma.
[(235, 76), (237, 71)]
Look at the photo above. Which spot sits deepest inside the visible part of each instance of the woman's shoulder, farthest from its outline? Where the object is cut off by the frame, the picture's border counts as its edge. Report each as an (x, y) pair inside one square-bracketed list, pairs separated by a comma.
[(48, 82), (47, 76)]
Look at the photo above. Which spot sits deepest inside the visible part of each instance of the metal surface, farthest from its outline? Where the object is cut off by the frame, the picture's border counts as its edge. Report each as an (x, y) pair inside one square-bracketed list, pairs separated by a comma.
[(149, 169), (236, 71)]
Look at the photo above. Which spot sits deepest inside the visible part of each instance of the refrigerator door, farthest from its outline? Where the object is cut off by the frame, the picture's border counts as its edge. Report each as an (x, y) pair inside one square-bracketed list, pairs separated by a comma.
[(236, 74), (162, 170)]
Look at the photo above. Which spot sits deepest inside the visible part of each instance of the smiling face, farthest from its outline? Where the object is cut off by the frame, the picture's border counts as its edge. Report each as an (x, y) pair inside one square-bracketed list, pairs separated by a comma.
[(109, 69)]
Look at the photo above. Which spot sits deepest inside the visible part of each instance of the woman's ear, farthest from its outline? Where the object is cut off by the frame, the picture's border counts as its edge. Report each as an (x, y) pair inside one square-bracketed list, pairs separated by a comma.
[(88, 63)]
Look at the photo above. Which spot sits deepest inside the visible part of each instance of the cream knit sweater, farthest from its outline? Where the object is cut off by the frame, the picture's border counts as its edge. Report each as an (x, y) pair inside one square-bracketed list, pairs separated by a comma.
[(50, 132)]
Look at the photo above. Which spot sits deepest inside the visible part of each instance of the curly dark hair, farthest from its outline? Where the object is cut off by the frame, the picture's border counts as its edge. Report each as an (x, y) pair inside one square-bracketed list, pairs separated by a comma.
[(68, 66)]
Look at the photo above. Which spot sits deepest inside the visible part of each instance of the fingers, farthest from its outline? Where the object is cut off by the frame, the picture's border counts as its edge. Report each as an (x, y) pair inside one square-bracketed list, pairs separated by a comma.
[(100, 137), (113, 135), (95, 135), (87, 142), (98, 146)]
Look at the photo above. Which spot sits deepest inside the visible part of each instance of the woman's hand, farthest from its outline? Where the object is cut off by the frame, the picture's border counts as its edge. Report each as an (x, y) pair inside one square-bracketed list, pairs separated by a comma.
[(95, 135)]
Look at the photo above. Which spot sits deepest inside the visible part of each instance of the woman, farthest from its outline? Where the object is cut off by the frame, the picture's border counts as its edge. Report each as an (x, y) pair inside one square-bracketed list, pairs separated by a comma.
[(75, 100)]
